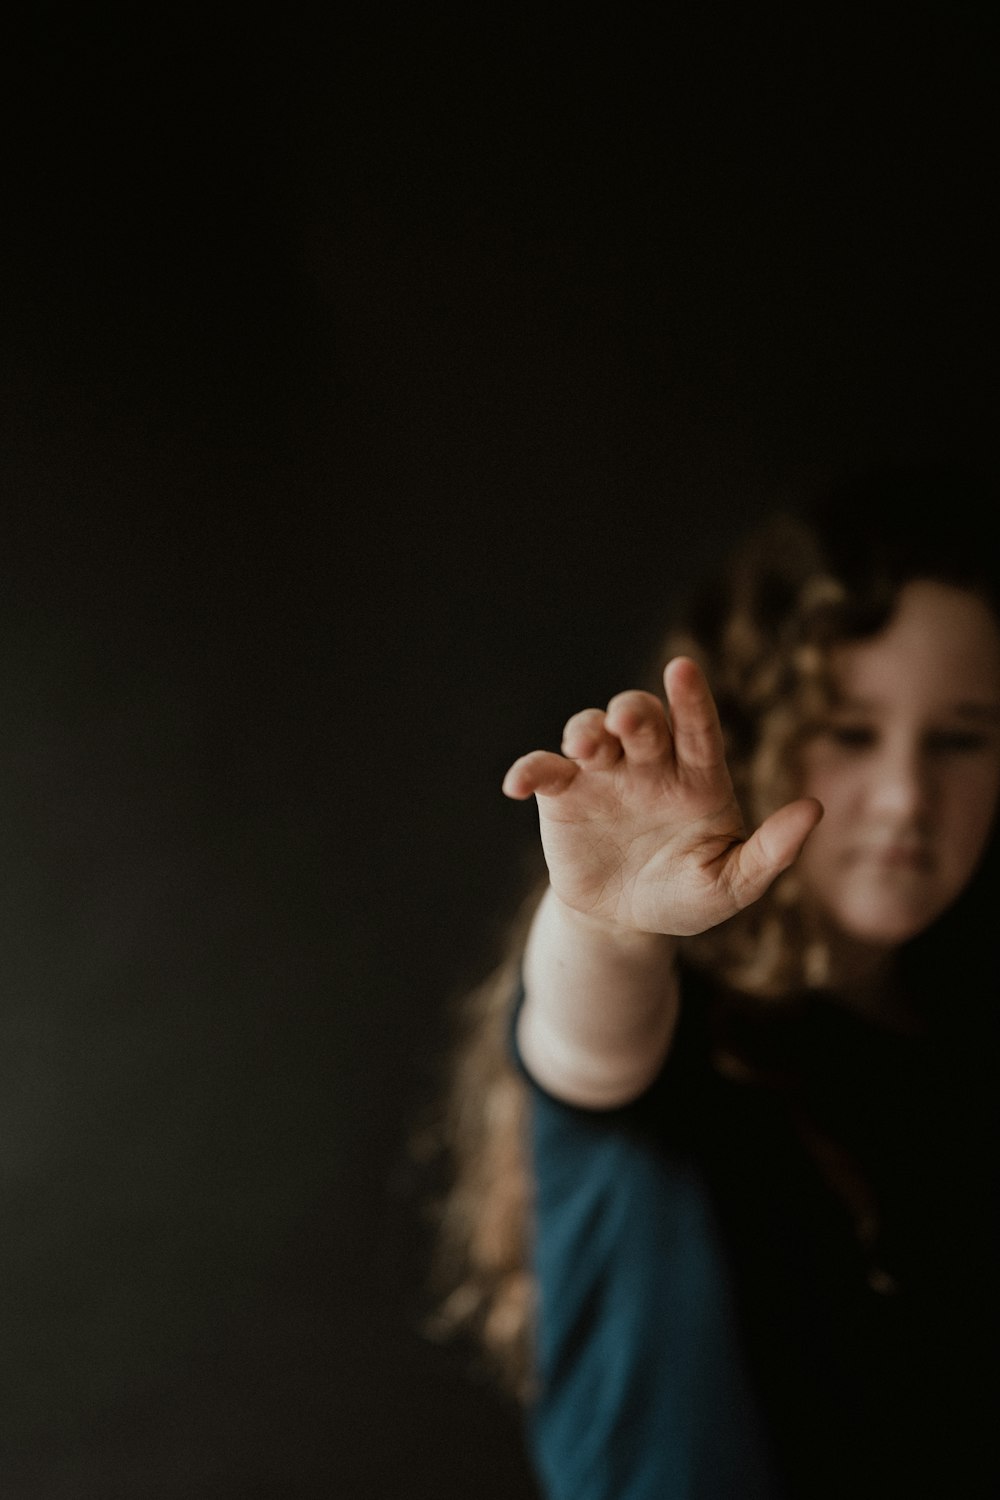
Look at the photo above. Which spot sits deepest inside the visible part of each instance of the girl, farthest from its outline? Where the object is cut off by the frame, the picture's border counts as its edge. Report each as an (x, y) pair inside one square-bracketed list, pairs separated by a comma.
[(722, 1209)]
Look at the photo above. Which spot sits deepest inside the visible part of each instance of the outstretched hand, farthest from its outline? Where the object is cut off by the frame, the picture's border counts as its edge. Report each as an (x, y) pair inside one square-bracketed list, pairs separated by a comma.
[(638, 817)]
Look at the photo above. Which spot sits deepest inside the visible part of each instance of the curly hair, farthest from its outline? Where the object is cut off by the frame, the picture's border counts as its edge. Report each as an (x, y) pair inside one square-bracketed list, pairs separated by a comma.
[(763, 630)]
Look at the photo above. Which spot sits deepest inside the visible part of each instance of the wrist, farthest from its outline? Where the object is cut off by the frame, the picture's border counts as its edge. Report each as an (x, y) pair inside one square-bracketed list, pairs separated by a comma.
[(592, 926)]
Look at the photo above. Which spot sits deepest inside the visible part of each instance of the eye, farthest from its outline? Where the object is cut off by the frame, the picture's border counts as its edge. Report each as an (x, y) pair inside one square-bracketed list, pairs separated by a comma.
[(852, 736), (956, 741)]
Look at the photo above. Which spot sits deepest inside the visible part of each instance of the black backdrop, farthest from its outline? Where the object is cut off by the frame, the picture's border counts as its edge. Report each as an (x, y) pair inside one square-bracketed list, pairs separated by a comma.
[(365, 390)]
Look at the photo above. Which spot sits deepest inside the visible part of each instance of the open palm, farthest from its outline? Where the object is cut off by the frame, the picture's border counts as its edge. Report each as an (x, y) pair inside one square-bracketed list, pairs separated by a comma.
[(638, 818)]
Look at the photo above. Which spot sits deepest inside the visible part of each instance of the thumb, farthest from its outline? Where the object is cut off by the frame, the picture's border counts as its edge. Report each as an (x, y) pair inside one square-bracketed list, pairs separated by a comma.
[(774, 846)]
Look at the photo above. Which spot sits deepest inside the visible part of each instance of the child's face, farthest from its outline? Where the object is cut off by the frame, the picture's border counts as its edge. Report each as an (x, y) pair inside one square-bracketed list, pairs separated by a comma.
[(907, 768)]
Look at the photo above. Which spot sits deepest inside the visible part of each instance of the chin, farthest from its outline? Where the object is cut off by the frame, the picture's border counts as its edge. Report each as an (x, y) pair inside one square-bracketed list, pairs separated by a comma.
[(887, 926)]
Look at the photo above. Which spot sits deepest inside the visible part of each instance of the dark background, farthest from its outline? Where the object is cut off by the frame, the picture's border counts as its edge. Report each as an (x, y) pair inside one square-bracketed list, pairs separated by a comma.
[(367, 389)]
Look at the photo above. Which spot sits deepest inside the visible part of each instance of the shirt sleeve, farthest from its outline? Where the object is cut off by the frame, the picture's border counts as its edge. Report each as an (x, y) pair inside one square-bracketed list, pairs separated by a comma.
[(641, 1392)]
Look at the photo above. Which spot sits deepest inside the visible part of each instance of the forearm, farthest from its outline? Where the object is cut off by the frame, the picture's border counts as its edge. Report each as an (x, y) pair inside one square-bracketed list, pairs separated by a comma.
[(601, 1003)]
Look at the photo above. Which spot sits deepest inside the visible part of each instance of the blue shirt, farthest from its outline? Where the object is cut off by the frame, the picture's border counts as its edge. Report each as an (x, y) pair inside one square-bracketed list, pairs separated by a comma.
[(713, 1321)]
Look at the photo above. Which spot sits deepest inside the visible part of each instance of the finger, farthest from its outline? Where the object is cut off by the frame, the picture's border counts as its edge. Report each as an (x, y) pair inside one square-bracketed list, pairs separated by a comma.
[(694, 717), (586, 739), (775, 846), (541, 772), (638, 720)]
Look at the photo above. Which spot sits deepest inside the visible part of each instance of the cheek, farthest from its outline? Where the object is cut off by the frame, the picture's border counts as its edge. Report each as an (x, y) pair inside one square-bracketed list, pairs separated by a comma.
[(820, 865), (820, 861), (971, 815), (832, 783)]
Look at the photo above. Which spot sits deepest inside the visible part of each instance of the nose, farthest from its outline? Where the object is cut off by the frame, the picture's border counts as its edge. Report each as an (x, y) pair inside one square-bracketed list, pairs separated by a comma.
[(900, 786)]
